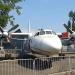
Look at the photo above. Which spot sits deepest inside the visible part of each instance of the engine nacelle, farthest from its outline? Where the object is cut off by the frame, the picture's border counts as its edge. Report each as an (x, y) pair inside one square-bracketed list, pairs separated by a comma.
[(73, 35)]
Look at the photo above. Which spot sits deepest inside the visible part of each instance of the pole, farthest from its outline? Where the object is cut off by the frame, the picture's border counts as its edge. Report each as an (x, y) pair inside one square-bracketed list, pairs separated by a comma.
[(70, 65), (29, 27), (34, 67)]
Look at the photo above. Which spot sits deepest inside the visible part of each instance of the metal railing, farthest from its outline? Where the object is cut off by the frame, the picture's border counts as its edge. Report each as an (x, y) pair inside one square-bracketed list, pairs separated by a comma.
[(39, 66)]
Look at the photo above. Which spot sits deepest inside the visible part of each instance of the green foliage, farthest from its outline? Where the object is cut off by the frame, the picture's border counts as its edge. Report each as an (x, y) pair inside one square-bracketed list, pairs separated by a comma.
[(5, 7), (71, 21), (72, 15)]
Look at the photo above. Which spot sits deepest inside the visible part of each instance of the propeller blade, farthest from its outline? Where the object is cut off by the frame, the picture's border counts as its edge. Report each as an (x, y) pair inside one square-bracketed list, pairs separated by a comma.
[(1, 29), (68, 29), (18, 31), (14, 27)]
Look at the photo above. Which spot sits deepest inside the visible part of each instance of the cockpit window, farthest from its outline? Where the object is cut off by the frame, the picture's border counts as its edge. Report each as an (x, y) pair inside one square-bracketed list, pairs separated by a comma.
[(53, 32), (41, 33), (37, 34), (48, 32), (45, 32)]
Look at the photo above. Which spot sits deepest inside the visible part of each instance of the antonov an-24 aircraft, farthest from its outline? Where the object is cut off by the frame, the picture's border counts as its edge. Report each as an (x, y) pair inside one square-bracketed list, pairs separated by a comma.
[(44, 42)]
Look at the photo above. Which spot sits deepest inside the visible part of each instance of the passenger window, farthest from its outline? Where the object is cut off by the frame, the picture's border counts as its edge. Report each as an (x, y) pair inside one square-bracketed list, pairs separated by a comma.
[(48, 32)]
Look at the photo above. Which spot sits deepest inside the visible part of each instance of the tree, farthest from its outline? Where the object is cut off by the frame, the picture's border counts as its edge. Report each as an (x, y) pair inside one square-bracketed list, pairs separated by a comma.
[(5, 7), (72, 19)]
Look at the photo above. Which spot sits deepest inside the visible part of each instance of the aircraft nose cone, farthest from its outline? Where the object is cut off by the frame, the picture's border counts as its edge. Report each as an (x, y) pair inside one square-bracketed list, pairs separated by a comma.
[(57, 44), (52, 44)]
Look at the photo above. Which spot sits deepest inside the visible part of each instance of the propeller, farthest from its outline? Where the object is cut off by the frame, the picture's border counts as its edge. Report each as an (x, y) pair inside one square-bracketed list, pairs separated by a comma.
[(13, 28), (1, 29), (18, 31), (68, 29), (72, 34), (6, 34)]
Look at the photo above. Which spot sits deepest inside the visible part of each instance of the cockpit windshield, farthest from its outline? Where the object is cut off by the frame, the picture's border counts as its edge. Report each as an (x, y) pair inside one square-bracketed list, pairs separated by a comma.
[(40, 33), (53, 33), (37, 34), (48, 32), (45, 32)]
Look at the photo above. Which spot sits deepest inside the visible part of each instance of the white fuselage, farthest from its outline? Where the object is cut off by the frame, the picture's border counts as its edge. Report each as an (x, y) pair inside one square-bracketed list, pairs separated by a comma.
[(47, 44)]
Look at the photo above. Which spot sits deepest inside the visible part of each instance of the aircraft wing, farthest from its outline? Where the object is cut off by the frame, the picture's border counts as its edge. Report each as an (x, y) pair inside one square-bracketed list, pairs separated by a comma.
[(20, 36), (25, 35)]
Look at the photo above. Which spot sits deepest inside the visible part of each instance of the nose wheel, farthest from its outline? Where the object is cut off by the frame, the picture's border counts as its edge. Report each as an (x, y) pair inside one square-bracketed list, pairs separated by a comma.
[(61, 53)]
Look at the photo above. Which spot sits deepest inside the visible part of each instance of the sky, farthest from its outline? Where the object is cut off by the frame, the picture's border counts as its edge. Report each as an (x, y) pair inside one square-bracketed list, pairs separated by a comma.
[(45, 14)]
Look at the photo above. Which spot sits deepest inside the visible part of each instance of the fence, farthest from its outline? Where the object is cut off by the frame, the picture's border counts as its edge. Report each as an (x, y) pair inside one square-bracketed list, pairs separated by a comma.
[(39, 66)]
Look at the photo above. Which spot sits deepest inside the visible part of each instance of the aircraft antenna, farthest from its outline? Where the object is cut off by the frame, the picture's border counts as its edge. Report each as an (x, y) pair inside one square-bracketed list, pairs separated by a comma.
[(29, 27)]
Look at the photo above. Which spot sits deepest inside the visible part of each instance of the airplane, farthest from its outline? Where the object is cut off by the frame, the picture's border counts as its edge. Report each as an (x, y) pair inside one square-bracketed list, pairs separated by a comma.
[(43, 42), (48, 43)]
